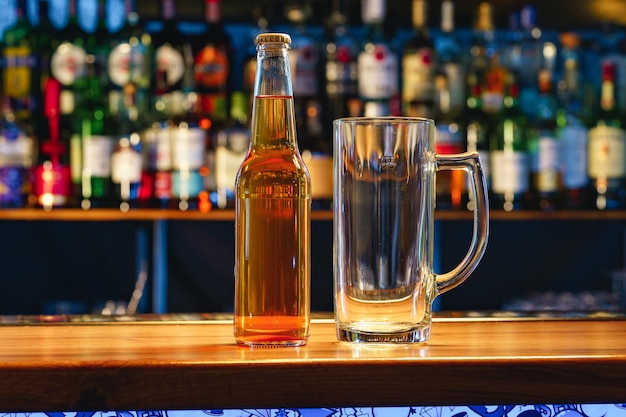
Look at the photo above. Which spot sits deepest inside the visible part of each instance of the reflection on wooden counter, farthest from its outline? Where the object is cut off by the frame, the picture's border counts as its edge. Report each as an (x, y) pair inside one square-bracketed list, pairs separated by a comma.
[(195, 364)]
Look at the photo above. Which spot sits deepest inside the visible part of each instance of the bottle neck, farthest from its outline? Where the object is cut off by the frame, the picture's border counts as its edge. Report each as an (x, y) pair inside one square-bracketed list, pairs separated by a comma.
[(447, 16), (484, 22), (273, 71), (168, 10), (212, 11), (607, 96), (20, 9), (273, 118), (373, 12), (420, 15), (102, 15), (71, 11), (607, 89), (128, 7)]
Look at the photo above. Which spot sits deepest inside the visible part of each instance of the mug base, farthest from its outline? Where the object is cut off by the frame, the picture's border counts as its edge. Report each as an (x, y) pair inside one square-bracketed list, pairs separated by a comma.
[(413, 335)]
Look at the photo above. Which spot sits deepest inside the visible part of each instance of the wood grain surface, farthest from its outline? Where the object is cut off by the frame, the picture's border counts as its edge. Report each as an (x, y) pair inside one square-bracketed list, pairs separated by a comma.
[(196, 365)]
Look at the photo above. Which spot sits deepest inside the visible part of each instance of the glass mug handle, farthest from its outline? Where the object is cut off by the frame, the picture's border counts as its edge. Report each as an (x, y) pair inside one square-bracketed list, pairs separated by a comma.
[(470, 162)]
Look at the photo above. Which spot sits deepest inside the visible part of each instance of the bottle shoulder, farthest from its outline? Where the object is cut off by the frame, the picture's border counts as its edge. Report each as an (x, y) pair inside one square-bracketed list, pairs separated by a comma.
[(273, 162)]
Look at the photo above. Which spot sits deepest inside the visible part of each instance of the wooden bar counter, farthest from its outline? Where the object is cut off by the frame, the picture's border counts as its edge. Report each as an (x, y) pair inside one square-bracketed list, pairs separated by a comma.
[(172, 364)]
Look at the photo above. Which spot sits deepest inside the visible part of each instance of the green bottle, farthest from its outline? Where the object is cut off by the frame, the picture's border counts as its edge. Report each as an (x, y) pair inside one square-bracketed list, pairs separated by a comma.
[(92, 144), (509, 154)]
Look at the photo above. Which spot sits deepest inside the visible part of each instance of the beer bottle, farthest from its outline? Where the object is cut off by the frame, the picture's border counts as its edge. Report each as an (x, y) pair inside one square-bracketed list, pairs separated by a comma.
[(272, 213)]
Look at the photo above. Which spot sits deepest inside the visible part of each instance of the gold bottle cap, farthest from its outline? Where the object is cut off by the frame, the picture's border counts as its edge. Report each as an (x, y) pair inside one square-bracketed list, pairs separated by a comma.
[(273, 37)]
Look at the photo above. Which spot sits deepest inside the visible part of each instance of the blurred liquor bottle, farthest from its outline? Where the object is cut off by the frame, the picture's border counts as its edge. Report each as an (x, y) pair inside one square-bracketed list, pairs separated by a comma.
[(21, 67), (531, 60), (509, 154), (484, 55), (612, 49), (231, 147), (127, 161), (572, 124), (171, 89), (451, 58), (418, 66), (451, 189), (189, 166), (68, 66), (544, 147), (341, 73), (213, 76), (306, 68), (93, 132), (477, 131), (17, 156), (511, 44), (98, 41), (129, 62), (213, 52), (259, 14), (52, 182), (92, 143), (377, 64), (607, 147), (172, 53)]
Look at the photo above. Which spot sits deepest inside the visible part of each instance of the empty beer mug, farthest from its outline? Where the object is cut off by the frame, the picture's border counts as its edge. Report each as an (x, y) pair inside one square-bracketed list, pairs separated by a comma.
[(384, 200)]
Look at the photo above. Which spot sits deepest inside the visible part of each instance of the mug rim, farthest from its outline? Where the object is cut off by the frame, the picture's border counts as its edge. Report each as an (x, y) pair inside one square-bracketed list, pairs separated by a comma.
[(384, 119)]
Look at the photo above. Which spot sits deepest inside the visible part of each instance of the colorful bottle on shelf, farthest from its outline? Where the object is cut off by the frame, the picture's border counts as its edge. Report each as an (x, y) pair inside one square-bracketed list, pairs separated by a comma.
[(171, 88), (189, 165), (340, 68), (92, 143), (213, 52), (127, 161), (451, 57), (509, 154), (21, 67), (306, 68), (231, 147), (259, 14), (451, 189), (531, 49), (543, 146), (213, 78), (68, 62), (17, 156), (484, 60), (52, 175), (129, 61), (572, 125), (272, 213), (377, 64), (418, 66), (314, 140), (477, 132), (607, 148), (172, 54)]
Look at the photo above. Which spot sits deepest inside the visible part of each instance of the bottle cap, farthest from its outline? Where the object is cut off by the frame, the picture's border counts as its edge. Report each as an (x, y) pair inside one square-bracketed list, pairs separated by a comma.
[(273, 37)]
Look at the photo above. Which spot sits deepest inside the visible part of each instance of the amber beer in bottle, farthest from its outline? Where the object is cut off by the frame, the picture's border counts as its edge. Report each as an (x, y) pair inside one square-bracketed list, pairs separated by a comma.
[(272, 213)]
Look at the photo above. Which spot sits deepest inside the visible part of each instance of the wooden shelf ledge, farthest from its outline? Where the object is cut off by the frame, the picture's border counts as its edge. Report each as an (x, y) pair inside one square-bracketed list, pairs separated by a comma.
[(70, 214)]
